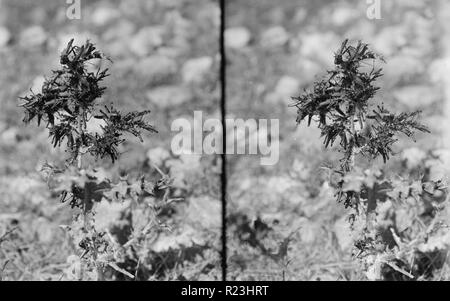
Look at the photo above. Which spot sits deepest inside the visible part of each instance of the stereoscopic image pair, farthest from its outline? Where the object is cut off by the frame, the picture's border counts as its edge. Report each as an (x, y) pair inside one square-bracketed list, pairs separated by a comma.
[(241, 140)]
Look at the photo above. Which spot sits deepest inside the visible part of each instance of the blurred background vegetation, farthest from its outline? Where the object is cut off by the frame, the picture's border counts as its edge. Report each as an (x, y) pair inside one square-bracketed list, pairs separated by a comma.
[(165, 59), (274, 51)]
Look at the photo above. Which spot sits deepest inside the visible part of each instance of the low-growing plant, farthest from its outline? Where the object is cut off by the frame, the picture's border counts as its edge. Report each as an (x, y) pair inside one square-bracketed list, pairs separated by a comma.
[(393, 220), (68, 104)]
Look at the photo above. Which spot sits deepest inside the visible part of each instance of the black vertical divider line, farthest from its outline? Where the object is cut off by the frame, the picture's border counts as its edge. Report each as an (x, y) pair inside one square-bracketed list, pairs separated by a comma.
[(223, 177)]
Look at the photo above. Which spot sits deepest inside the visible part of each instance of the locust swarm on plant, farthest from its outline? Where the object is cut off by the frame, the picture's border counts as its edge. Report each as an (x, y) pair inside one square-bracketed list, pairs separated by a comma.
[(394, 219), (69, 100)]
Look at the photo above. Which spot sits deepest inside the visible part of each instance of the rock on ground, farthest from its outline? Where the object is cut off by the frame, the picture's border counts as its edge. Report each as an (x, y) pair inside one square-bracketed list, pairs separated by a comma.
[(417, 96), (438, 71), (33, 36), (237, 37), (195, 70), (274, 37), (319, 46), (119, 31), (146, 40), (390, 40), (402, 68), (169, 96), (343, 15), (287, 86), (156, 69), (9, 137), (308, 70), (104, 15), (5, 36)]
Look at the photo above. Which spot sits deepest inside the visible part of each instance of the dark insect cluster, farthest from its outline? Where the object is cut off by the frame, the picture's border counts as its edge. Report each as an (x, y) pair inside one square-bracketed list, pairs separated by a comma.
[(117, 124), (380, 135), (396, 222), (69, 101), (69, 104), (340, 103)]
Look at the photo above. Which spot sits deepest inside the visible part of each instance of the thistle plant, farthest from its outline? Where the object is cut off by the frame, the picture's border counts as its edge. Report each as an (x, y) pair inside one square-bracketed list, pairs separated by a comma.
[(393, 219), (341, 103), (69, 101)]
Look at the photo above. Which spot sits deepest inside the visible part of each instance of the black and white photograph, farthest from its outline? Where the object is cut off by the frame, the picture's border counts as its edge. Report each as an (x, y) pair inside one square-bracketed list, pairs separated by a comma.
[(236, 142)]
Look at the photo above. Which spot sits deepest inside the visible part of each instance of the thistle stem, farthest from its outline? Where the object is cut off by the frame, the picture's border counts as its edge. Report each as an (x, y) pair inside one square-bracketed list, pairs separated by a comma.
[(79, 155), (82, 130)]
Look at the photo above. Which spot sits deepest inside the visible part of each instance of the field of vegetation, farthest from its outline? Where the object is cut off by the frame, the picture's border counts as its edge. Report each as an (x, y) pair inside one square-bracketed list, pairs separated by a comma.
[(283, 222), (165, 59), (277, 50)]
